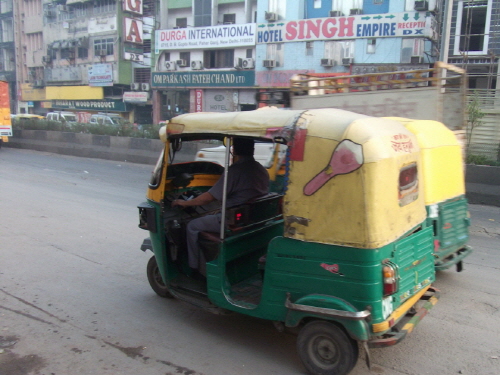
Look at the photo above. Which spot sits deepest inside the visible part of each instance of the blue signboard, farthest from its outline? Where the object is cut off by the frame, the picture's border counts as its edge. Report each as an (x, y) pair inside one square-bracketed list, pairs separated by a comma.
[(205, 79)]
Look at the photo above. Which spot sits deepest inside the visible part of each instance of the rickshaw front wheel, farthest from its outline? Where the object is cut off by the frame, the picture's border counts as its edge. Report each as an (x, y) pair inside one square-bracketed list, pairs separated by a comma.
[(325, 349), (155, 280)]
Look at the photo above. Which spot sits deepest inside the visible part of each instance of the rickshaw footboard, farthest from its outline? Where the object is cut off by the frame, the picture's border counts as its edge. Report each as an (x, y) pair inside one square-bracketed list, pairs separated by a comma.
[(408, 323)]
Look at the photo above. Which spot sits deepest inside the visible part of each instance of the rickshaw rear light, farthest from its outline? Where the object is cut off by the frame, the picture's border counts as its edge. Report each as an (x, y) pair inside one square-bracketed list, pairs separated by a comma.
[(390, 280)]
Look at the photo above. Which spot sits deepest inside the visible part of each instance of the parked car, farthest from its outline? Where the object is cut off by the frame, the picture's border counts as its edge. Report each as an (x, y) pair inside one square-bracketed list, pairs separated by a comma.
[(62, 116), (108, 119)]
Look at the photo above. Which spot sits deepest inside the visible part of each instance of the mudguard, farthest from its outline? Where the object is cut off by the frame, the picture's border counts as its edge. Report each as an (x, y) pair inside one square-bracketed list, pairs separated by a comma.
[(329, 308)]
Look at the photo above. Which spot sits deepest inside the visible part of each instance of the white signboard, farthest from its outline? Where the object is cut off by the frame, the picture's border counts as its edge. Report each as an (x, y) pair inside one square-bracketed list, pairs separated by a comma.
[(135, 96), (133, 6), (100, 75), (133, 30), (100, 24), (408, 24), (223, 36), (137, 57)]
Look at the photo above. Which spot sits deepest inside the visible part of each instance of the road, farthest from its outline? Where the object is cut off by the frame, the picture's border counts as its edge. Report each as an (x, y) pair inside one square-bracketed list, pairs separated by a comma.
[(74, 297)]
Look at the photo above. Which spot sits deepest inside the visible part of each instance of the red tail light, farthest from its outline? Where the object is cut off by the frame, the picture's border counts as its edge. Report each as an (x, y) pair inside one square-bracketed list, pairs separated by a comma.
[(390, 279)]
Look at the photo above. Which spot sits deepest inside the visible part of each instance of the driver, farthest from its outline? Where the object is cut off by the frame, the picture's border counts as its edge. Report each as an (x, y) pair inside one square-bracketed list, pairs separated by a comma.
[(247, 179)]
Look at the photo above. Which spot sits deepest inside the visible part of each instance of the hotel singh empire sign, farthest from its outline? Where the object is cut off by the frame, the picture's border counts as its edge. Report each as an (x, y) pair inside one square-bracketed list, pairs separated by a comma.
[(223, 36), (408, 24)]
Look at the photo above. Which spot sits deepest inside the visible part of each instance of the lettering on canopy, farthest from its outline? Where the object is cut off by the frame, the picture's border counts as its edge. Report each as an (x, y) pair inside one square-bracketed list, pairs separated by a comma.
[(417, 24)]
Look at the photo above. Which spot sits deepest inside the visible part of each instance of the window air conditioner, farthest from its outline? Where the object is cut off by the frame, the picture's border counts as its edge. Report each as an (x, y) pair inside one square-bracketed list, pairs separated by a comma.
[(421, 5), (248, 63), (327, 62), (238, 63), (170, 65), (181, 63), (145, 86), (335, 13), (197, 65), (269, 63), (356, 11), (416, 60), (347, 61), (271, 16)]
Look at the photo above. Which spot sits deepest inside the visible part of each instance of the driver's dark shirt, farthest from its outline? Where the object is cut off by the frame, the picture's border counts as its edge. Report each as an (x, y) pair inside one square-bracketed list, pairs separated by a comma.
[(247, 179)]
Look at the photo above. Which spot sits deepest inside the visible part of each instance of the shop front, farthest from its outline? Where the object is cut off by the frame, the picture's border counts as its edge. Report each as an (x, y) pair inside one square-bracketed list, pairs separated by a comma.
[(206, 91)]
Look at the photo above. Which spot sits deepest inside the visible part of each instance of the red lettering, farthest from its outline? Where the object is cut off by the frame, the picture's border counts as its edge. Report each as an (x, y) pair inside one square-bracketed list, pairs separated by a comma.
[(314, 28), (301, 29), (329, 32), (134, 35), (346, 27), (134, 5), (291, 30)]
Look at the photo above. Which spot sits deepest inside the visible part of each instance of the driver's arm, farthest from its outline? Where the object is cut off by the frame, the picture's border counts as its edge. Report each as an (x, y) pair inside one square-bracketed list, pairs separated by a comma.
[(200, 200)]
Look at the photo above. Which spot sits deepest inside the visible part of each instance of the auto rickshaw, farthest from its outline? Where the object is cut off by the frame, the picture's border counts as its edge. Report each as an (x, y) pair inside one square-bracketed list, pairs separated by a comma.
[(444, 191), (342, 250)]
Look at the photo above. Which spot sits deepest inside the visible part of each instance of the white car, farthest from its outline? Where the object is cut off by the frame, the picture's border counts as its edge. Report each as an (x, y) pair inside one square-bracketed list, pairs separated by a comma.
[(263, 153)]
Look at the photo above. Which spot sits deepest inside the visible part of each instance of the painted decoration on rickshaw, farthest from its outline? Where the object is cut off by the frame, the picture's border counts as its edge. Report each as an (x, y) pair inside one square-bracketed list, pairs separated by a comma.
[(346, 158)]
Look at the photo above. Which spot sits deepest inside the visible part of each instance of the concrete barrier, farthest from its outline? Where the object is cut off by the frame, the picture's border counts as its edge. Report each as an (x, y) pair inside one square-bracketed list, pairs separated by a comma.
[(482, 182)]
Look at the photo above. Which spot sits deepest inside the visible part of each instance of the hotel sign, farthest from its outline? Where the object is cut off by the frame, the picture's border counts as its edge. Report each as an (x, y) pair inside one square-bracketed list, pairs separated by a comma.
[(223, 36), (230, 78), (409, 24)]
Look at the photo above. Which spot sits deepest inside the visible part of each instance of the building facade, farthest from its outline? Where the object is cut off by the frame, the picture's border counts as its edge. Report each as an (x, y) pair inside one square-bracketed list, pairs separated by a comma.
[(82, 56), (205, 57)]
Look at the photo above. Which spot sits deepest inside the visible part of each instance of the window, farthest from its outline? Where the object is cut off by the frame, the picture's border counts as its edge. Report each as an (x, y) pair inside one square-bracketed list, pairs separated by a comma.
[(142, 75), (67, 53), (83, 53), (309, 48), (146, 46), (7, 30), (223, 58), (103, 44), (279, 7), (181, 23), (229, 18), (5, 6), (249, 53), (148, 8), (79, 9), (371, 45), (473, 24), (105, 6), (185, 56), (411, 48), (275, 52), (202, 13), (408, 180), (317, 4)]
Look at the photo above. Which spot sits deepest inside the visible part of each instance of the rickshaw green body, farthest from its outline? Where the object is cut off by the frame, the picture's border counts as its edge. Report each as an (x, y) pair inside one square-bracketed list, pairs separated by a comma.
[(315, 257)]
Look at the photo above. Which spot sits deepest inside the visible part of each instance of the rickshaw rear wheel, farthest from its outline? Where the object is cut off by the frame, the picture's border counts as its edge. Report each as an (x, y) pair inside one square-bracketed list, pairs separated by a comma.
[(155, 280), (325, 349)]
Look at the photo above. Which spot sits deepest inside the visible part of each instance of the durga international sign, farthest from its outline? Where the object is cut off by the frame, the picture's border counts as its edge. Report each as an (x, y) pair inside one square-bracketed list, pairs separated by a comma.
[(409, 24), (222, 36)]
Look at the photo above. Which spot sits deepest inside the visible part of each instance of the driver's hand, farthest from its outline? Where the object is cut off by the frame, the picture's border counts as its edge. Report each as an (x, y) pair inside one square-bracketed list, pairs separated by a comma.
[(177, 202)]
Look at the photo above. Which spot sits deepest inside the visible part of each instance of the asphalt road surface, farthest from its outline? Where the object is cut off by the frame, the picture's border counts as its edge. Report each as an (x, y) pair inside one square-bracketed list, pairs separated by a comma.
[(74, 297)]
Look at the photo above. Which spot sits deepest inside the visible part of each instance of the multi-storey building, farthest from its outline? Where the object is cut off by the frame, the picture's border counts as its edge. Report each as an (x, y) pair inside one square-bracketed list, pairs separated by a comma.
[(84, 56), (339, 37), (7, 46), (205, 57)]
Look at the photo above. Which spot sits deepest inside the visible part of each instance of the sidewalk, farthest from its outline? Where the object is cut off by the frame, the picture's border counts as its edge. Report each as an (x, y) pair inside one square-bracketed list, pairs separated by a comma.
[(482, 185)]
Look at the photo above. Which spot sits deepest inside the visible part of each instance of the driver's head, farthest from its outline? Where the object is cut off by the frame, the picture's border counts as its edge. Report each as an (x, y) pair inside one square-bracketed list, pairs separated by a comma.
[(243, 147)]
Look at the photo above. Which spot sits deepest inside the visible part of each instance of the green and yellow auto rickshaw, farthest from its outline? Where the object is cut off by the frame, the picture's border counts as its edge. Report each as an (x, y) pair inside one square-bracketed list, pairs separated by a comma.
[(341, 248), (444, 191)]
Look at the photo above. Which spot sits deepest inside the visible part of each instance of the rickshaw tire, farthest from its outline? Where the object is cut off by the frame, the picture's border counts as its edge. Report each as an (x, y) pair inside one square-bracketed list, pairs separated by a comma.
[(155, 279), (326, 349)]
